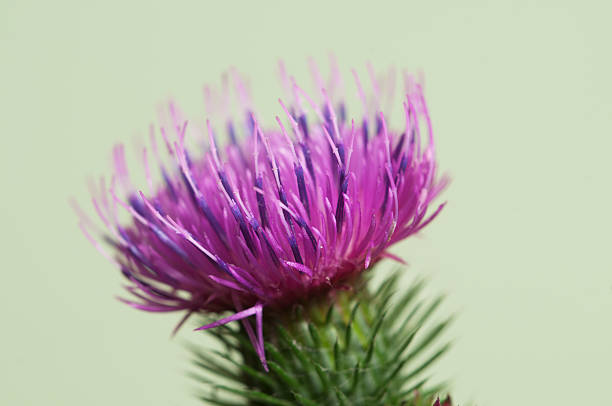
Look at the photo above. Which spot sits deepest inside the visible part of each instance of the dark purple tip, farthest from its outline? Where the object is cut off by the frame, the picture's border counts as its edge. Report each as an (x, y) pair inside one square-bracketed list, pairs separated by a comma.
[(125, 272), (261, 202), (340, 204), (299, 174), (383, 207), (137, 205), (342, 112), (134, 252), (398, 147), (110, 241), (199, 201), (243, 227), (221, 265), (159, 207), (341, 152), (150, 288), (303, 124), (262, 236), (364, 131), (326, 114), (169, 185), (225, 183), (403, 163), (333, 161), (309, 165), (302, 223), (378, 125), (212, 220), (231, 132), (295, 249), (292, 241), (163, 237), (249, 121), (188, 160), (254, 223)]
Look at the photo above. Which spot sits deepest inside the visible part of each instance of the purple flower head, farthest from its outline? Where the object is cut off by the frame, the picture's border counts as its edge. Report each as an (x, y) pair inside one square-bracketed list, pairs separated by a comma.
[(276, 215)]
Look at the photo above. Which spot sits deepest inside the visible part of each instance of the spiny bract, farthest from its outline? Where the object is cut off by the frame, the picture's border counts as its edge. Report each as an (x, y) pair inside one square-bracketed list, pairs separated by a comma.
[(368, 347)]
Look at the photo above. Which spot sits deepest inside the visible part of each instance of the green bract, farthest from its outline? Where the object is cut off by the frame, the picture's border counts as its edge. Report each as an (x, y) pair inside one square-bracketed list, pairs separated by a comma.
[(365, 348)]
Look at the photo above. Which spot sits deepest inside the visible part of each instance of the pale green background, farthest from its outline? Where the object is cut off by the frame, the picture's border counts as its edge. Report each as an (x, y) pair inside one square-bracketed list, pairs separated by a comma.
[(521, 100)]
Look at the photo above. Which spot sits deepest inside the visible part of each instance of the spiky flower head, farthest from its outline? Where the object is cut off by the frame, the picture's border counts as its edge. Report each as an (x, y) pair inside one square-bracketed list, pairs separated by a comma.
[(277, 215)]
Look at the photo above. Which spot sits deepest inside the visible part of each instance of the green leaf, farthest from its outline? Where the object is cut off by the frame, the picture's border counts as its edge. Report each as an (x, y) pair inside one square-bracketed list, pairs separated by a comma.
[(349, 326), (290, 343), (371, 341), (432, 307), (355, 379), (413, 388), (403, 301), (314, 334), (337, 365), (289, 380), (303, 358), (262, 377), (329, 315), (428, 339), (427, 363), (210, 364)]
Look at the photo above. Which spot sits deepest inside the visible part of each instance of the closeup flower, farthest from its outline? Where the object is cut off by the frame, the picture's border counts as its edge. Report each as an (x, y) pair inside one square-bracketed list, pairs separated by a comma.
[(275, 216)]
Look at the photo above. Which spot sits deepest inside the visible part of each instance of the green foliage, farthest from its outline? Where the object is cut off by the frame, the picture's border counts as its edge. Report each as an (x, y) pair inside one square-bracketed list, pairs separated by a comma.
[(361, 348)]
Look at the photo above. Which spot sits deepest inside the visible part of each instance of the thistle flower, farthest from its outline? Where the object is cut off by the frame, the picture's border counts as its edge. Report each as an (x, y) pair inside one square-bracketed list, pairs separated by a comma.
[(275, 216)]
